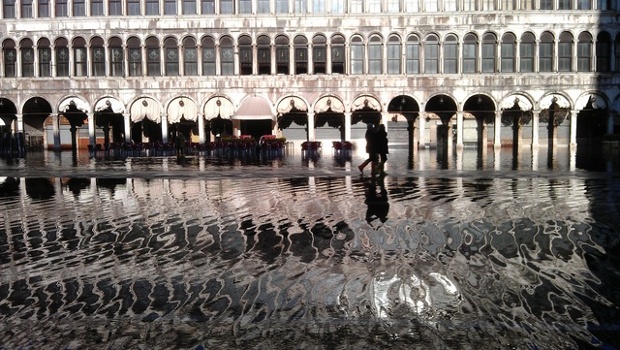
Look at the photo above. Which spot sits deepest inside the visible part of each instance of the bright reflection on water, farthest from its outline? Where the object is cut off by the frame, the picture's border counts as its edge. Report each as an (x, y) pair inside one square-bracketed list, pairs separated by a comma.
[(304, 254)]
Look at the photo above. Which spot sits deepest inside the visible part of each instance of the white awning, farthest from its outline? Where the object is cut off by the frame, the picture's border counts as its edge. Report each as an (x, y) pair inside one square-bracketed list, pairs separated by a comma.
[(287, 104), (182, 108), (115, 105), (366, 101), (79, 105), (219, 106), (145, 107), (329, 102), (254, 107)]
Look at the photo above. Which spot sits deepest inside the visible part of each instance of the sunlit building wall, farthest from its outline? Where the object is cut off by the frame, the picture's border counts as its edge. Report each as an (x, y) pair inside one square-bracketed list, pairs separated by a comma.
[(492, 72)]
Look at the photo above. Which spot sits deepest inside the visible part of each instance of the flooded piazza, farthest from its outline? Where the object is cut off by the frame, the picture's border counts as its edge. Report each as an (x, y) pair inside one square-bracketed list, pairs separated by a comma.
[(465, 251)]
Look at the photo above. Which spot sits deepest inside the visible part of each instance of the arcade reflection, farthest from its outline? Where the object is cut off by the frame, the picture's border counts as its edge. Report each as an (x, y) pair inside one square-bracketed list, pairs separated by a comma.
[(390, 262)]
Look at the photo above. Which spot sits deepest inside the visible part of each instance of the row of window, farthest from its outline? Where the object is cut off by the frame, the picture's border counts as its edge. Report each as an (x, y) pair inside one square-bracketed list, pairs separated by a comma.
[(489, 54), (82, 8)]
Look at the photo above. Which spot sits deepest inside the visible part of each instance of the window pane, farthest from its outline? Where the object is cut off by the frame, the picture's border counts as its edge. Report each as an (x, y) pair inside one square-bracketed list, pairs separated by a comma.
[(44, 8), (27, 62), (79, 8), (226, 7), (207, 7), (45, 60), (413, 58), (450, 58), (115, 8)]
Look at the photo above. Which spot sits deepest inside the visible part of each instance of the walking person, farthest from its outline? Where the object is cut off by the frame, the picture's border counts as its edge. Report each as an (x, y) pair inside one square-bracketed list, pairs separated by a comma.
[(370, 149), (381, 147)]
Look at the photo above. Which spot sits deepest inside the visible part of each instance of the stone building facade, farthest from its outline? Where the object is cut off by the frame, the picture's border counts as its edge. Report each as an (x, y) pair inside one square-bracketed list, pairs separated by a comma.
[(147, 70)]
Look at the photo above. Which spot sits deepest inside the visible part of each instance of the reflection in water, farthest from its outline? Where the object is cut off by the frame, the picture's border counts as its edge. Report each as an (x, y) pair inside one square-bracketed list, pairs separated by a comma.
[(489, 263)]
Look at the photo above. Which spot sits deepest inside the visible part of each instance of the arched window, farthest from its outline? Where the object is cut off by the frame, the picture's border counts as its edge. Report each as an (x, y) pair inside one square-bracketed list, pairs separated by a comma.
[(394, 55), (470, 53), (451, 55), (584, 52), (208, 56), (357, 55), (319, 49), (412, 55), (282, 55), (338, 54), (264, 54), (489, 50), (526, 53), (546, 53), (603, 52), (245, 55), (61, 48), (135, 57), (190, 57), (45, 57), (153, 57), (431, 54), (115, 48), (565, 52), (227, 56), (80, 66), (10, 58), (301, 54), (27, 53), (97, 53), (375, 55), (171, 58), (509, 47)]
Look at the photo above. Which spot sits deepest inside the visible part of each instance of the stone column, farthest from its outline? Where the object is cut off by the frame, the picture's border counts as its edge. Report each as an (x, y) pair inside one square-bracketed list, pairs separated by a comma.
[(573, 129), (164, 128), (311, 135), (91, 130), (347, 126), (422, 129), (201, 129), (535, 124), (56, 130), (127, 125), (497, 140), (459, 129)]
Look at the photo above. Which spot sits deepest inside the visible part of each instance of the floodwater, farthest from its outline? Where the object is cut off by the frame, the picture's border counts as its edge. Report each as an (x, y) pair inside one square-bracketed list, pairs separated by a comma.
[(294, 251)]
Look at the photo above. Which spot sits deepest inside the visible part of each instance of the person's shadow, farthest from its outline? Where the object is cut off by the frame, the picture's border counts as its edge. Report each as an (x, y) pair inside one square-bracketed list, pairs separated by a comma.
[(376, 200)]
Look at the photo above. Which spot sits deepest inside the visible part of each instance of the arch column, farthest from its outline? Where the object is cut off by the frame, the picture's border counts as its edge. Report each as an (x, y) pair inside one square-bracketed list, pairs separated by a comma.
[(347, 126), (497, 143), (20, 123), (201, 129), (56, 130), (164, 128), (421, 129), (92, 138), (573, 129), (459, 129), (311, 131), (127, 126), (535, 124)]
